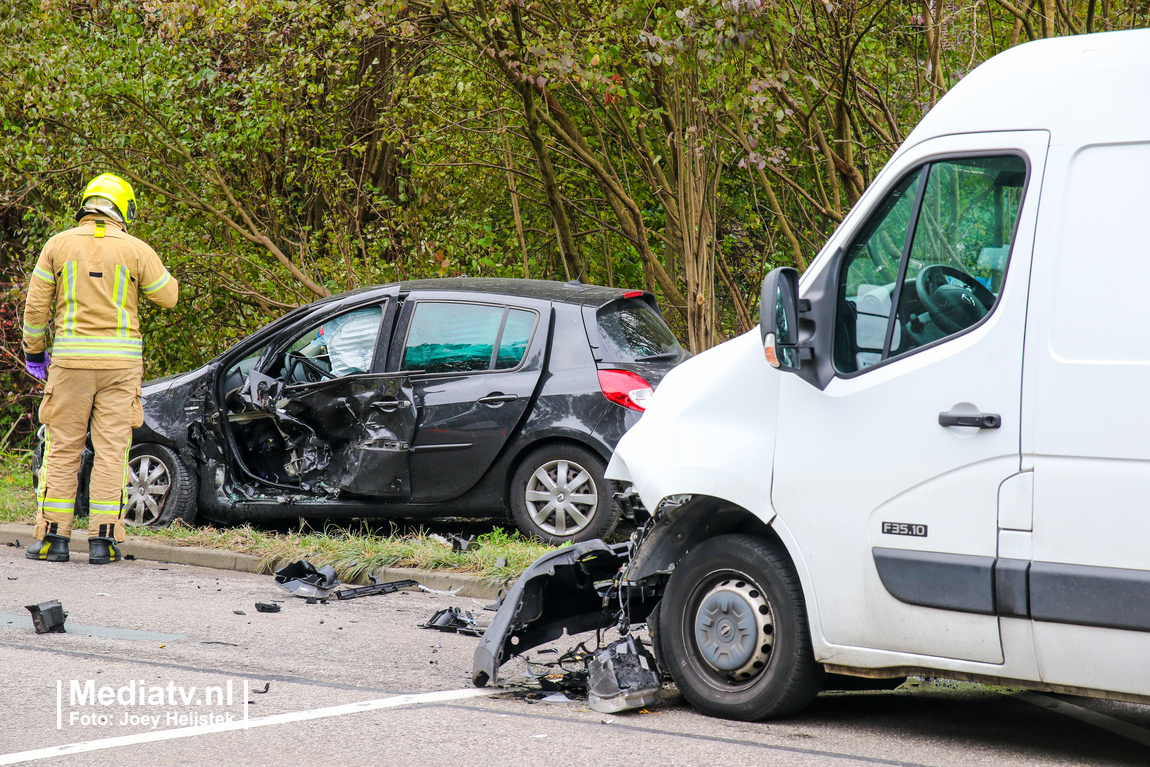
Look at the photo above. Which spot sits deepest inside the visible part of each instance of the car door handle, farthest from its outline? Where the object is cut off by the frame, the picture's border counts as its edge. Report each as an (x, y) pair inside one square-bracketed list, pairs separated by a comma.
[(391, 405), (496, 399), (977, 420)]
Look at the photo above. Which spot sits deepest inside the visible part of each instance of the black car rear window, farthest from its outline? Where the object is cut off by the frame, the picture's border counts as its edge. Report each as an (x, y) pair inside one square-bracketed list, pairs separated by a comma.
[(631, 330)]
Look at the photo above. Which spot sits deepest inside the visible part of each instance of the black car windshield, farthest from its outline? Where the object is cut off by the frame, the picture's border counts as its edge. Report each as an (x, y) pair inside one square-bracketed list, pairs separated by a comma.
[(633, 331)]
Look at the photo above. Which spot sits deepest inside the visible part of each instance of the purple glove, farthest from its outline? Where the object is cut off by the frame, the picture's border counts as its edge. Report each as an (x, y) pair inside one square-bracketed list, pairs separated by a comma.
[(38, 369)]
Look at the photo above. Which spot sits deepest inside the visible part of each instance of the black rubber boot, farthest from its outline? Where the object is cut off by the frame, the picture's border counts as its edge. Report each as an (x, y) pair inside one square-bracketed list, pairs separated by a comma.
[(102, 551), (54, 548)]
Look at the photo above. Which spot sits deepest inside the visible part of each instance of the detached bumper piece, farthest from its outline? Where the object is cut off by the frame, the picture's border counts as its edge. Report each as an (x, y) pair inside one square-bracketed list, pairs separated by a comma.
[(454, 621), (48, 617), (570, 589), (375, 587), (621, 676), (302, 579)]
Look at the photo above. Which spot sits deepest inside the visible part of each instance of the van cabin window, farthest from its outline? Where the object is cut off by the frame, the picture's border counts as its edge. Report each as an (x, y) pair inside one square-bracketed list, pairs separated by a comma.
[(931, 260)]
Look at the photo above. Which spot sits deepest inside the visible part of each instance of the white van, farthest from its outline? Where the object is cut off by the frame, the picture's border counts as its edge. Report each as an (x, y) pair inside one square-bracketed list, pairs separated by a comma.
[(945, 467)]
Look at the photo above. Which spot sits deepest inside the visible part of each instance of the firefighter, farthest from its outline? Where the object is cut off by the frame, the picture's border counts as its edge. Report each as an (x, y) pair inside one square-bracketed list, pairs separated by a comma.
[(91, 275)]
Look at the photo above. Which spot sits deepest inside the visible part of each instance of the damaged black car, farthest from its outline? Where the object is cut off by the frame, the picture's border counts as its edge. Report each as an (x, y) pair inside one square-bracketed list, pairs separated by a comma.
[(434, 398)]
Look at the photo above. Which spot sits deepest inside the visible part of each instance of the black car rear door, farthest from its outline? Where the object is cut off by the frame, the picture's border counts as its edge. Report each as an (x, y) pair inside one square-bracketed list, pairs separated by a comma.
[(474, 365)]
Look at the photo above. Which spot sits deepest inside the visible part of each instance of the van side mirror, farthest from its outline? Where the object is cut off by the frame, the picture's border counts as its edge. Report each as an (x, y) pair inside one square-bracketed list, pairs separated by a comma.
[(779, 318)]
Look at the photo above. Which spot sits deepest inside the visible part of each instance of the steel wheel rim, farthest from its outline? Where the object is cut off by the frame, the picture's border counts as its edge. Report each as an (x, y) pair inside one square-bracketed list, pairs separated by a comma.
[(730, 599), (561, 497), (149, 483)]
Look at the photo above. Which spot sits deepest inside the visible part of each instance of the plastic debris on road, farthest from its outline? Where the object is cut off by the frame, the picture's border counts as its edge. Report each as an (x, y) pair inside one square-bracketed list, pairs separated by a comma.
[(48, 617), (304, 580), (455, 620), (621, 676)]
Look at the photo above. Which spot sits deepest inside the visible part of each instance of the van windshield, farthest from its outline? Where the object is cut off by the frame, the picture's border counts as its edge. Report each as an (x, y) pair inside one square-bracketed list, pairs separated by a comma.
[(632, 331)]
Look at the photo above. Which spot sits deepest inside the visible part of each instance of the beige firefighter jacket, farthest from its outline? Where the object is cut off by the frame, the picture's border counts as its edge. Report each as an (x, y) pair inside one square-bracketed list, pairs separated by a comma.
[(93, 274)]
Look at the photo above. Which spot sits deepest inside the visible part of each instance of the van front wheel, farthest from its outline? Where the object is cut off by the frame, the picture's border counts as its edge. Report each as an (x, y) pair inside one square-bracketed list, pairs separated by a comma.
[(733, 631)]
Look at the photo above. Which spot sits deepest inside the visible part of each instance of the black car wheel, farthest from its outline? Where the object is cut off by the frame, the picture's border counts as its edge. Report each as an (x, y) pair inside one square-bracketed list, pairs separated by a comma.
[(733, 631), (558, 494), (161, 488)]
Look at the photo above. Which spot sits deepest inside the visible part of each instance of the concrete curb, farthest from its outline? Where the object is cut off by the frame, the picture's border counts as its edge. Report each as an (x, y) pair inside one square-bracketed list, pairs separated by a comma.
[(141, 548)]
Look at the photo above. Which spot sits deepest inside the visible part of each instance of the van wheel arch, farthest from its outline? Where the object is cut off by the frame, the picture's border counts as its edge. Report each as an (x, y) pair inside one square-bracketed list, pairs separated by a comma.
[(698, 520)]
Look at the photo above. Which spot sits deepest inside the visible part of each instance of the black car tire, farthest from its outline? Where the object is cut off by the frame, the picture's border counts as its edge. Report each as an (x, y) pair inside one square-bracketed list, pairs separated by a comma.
[(724, 589), (537, 516), (161, 488)]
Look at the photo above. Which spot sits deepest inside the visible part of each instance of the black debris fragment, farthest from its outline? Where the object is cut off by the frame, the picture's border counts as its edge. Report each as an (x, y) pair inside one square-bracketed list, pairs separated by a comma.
[(459, 543), (621, 676), (265, 607), (15, 545), (314, 601), (239, 612), (13, 577), (494, 606), (454, 620), (304, 580), (375, 588), (267, 686), (48, 617), (571, 681), (129, 557)]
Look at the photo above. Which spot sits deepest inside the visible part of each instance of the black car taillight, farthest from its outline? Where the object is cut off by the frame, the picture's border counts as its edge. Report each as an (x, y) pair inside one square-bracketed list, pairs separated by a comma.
[(625, 388)]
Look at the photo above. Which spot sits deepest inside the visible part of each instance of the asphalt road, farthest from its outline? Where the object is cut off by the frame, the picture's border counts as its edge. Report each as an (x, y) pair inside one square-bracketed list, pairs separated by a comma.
[(163, 632)]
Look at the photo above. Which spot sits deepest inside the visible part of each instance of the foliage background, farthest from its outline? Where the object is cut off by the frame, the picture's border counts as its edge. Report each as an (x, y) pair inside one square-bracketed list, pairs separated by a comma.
[(282, 150)]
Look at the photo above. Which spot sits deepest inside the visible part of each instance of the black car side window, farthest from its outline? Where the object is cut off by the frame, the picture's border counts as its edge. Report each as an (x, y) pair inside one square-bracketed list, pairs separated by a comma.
[(451, 337), (340, 346), (517, 332)]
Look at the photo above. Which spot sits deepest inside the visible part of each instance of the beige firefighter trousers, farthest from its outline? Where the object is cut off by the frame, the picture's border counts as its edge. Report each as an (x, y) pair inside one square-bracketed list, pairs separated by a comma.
[(75, 399)]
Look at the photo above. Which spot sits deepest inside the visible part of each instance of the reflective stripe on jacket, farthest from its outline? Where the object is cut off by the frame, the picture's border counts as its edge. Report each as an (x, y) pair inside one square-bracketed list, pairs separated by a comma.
[(92, 275)]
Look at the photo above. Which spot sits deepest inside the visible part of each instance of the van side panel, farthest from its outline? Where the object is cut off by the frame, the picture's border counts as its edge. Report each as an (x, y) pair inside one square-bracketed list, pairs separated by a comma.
[(1087, 390)]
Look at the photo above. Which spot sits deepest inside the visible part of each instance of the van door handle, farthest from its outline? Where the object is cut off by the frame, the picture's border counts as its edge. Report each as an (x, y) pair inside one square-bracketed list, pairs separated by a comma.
[(496, 399), (977, 420)]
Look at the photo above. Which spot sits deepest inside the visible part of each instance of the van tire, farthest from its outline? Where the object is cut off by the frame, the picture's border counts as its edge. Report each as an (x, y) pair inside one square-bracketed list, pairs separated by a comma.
[(161, 467), (723, 589), (528, 487)]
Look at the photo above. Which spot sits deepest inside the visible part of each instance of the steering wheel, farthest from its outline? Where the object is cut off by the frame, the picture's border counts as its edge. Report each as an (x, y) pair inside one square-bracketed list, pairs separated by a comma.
[(952, 307), (308, 363)]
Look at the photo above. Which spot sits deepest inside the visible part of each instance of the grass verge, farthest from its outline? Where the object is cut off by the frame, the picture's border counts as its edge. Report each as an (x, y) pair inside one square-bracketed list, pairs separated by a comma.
[(17, 503), (354, 553), (495, 556)]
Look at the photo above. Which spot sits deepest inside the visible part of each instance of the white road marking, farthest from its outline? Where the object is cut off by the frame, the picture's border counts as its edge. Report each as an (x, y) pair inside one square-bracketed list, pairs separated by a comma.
[(240, 724), (1102, 721)]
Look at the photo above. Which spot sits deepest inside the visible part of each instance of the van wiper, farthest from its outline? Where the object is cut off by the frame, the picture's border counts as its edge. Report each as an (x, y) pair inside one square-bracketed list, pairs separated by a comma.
[(660, 356)]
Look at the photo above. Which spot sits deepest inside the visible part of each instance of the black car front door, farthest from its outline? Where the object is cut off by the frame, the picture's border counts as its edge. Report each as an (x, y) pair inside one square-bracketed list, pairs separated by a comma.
[(474, 368), (320, 416)]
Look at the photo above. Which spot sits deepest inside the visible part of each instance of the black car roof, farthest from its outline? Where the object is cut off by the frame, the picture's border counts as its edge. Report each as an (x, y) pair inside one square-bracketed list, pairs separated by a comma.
[(567, 292), (548, 290)]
